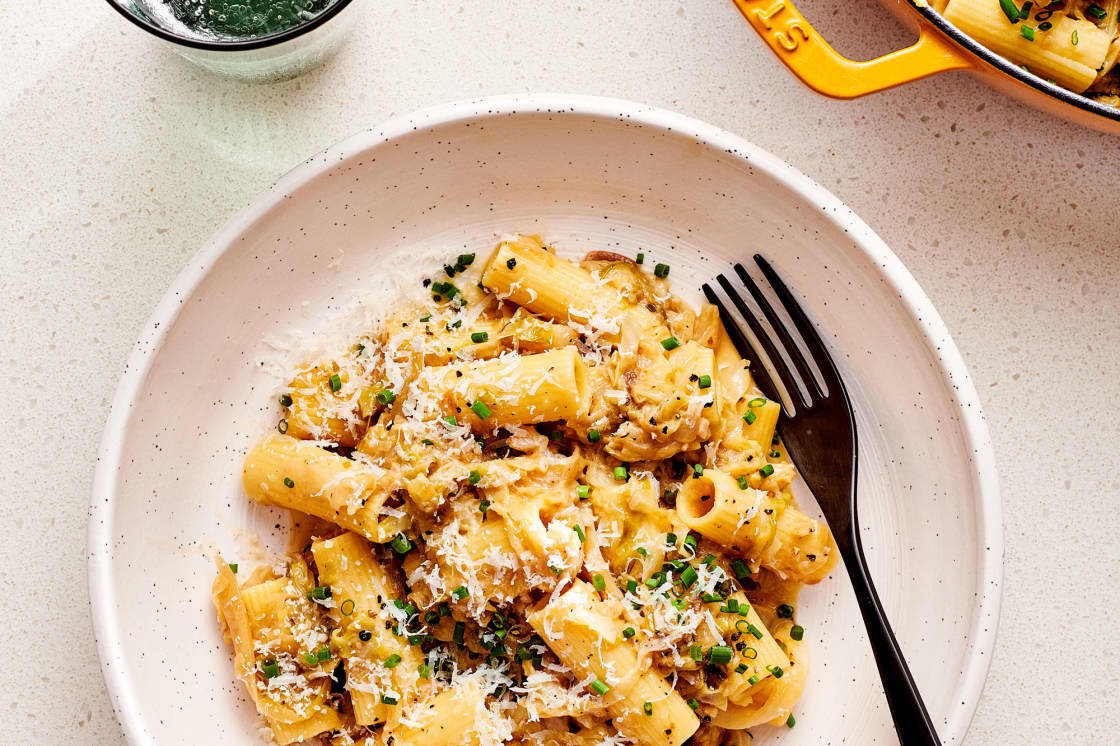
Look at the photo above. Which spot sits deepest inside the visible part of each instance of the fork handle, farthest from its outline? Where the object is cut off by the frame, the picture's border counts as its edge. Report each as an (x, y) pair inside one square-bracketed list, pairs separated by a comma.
[(911, 721)]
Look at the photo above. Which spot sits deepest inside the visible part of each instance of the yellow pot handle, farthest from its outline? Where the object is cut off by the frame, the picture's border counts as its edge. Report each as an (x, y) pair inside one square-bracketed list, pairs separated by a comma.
[(822, 68)]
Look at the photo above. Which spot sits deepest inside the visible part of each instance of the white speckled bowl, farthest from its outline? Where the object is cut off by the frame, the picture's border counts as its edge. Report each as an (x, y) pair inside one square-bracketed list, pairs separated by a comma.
[(586, 173)]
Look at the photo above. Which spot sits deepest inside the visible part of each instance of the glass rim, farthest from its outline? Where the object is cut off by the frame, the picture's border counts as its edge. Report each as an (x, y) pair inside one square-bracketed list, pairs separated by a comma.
[(234, 45)]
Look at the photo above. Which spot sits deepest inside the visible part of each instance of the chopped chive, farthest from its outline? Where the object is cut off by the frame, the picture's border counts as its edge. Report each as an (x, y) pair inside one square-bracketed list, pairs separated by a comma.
[(555, 435), (720, 655), (670, 539), (484, 506), (1009, 10), (1045, 26), (599, 582), (336, 382), (401, 544), (705, 381), (425, 319), (457, 635), (670, 343), (629, 632), (392, 661), (740, 568), (640, 259), (775, 671), (689, 576), (282, 426), (480, 409), (696, 652), (579, 532), (593, 436), (285, 400), (449, 270), (347, 608), (732, 605), (1073, 38), (785, 611), (1025, 11), (757, 402), (752, 680), (427, 442), (775, 454), (711, 598), (270, 668), (791, 721), (755, 631), (797, 632), (323, 654), (631, 586), (661, 270), (1096, 12), (460, 593), (654, 580), (766, 470), (466, 259), (583, 491), (1026, 32), (621, 474), (385, 397), (642, 551), (697, 470), (647, 708), (289, 483), (750, 417), (690, 541), (450, 422), (474, 477), (694, 703), (233, 567), (479, 336), (310, 659), (741, 668), (423, 670), (387, 700), (320, 593), (599, 687), (742, 482)]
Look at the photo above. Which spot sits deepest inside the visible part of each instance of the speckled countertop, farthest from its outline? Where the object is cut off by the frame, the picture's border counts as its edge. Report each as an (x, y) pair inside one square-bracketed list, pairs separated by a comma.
[(120, 159)]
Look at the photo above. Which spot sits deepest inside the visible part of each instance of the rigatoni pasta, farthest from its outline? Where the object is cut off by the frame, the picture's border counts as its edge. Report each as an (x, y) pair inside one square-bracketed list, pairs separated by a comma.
[(556, 510)]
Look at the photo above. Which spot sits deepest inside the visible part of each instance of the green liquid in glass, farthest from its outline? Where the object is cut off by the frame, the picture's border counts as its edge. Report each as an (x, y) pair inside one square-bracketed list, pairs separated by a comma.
[(245, 19)]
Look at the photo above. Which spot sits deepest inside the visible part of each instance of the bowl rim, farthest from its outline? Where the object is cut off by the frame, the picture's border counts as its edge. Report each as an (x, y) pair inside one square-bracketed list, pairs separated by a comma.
[(234, 45), (1009, 68), (102, 584)]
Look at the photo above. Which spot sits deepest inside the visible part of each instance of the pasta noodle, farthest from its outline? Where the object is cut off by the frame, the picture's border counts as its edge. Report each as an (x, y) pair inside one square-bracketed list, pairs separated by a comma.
[(1073, 43), (553, 508)]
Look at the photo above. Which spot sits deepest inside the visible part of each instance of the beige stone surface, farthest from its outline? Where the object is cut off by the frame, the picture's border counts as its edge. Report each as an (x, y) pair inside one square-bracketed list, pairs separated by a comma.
[(119, 159)]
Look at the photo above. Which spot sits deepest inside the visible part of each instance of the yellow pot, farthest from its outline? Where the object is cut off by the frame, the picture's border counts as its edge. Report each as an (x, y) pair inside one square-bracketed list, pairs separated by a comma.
[(940, 47)]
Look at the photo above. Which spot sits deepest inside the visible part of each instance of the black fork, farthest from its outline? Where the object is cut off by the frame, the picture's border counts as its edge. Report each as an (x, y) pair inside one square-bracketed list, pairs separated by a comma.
[(820, 436)]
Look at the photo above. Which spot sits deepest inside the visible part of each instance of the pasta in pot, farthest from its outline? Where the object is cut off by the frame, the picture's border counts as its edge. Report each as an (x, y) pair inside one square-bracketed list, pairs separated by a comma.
[(1073, 43), (554, 509)]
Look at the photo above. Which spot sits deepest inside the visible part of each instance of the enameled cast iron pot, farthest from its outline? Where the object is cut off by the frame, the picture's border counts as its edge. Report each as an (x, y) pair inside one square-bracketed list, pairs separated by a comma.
[(940, 47)]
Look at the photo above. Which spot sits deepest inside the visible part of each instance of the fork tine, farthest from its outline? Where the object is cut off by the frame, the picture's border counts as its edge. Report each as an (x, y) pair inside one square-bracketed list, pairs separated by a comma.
[(779, 327), (742, 344), (776, 359), (813, 341)]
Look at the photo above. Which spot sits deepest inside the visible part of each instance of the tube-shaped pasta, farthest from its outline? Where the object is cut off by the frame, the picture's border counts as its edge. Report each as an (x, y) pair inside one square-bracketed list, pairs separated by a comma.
[(289, 473), (802, 548), (361, 591), (521, 270), (446, 719), (772, 700), (1069, 53), (319, 412), (513, 390), (757, 525), (271, 615), (590, 642), (763, 422)]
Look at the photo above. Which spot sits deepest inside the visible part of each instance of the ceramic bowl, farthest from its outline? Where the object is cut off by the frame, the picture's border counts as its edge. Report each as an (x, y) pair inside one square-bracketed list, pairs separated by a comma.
[(367, 219)]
